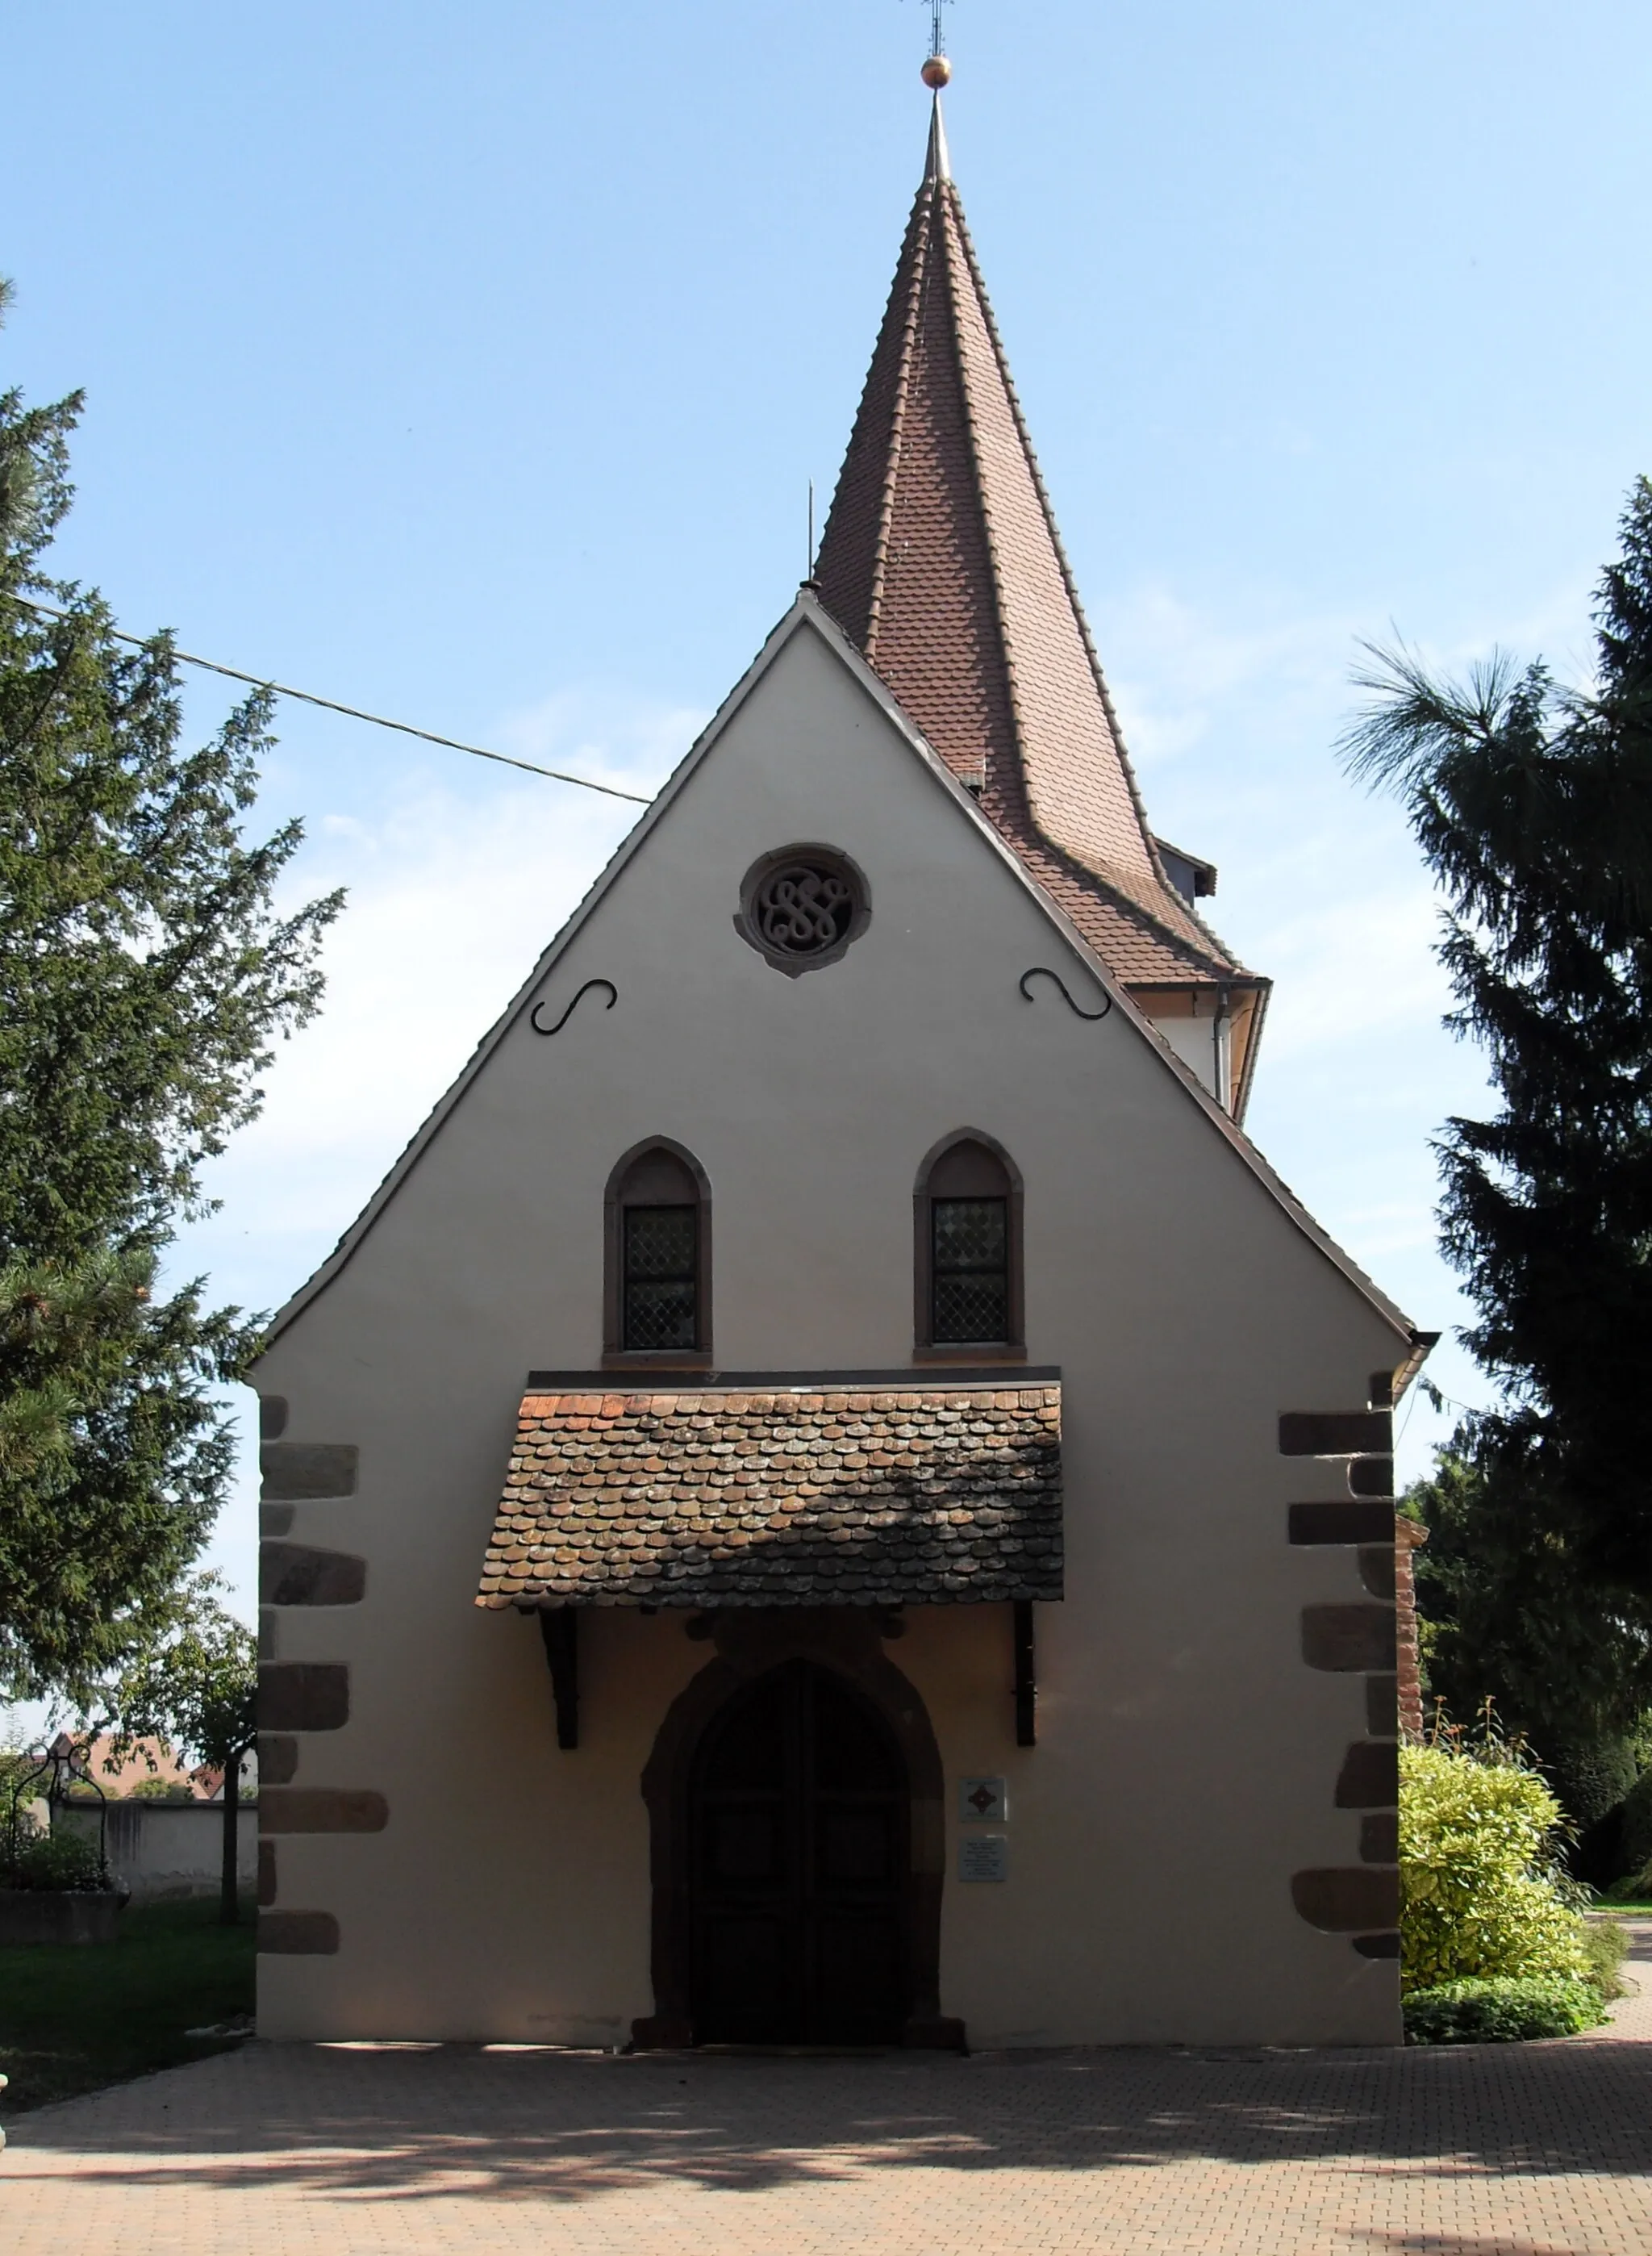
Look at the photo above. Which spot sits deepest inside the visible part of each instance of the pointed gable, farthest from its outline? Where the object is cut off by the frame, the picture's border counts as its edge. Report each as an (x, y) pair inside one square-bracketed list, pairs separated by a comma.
[(942, 561), (570, 966)]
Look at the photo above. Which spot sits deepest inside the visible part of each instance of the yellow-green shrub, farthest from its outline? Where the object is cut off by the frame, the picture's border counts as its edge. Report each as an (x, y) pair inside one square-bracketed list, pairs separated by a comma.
[(1479, 1894)]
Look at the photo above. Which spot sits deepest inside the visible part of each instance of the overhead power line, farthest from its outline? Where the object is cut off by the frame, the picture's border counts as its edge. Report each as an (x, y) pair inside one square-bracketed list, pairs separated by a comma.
[(353, 712)]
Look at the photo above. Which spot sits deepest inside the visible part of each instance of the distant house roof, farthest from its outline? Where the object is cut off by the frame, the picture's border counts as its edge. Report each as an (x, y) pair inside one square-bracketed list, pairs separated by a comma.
[(147, 1764), (781, 1495)]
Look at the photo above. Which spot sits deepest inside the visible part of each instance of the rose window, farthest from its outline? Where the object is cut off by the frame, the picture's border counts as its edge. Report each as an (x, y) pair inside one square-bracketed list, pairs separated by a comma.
[(802, 907)]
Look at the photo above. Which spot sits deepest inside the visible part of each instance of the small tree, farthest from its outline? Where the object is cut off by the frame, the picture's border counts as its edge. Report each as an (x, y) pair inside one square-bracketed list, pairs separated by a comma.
[(194, 1685)]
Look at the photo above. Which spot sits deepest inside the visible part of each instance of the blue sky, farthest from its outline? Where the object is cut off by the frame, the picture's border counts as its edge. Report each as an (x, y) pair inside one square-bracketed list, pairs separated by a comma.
[(471, 366)]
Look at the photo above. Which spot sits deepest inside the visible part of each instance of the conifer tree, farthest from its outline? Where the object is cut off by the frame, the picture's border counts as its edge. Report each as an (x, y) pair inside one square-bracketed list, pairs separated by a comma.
[(144, 972), (1533, 805)]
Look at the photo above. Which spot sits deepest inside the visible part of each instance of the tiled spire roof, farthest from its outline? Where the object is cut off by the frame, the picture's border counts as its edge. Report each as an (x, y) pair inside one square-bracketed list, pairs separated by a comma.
[(941, 560)]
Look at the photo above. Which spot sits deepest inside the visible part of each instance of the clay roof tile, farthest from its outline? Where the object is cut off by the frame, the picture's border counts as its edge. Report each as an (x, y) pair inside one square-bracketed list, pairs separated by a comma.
[(974, 1509), (941, 561)]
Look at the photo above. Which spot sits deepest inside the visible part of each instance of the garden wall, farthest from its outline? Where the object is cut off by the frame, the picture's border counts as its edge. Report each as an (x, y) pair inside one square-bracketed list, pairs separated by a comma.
[(161, 1849)]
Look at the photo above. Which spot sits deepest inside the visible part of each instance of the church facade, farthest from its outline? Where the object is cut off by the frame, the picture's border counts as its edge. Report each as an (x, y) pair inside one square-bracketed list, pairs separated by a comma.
[(831, 1496)]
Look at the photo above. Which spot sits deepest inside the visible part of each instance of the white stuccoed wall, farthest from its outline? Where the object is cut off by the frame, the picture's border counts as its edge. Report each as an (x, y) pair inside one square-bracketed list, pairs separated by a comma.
[(1187, 1757), (1203, 1045), (161, 1849)]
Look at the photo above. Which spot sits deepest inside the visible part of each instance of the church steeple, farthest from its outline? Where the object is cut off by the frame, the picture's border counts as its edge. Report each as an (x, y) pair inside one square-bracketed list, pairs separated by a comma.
[(941, 560)]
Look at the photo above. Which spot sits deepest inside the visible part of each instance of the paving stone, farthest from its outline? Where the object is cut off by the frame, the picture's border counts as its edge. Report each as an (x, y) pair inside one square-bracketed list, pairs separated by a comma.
[(289, 2150)]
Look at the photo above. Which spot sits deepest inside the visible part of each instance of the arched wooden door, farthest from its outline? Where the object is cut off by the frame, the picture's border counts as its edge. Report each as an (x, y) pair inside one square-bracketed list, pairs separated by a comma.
[(799, 1814)]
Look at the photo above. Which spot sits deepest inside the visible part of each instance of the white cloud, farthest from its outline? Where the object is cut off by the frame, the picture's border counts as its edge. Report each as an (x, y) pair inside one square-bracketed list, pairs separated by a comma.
[(606, 735), (452, 896), (1343, 969), (1396, 1226), (454, 891), (1268, 675), (1180, 677)]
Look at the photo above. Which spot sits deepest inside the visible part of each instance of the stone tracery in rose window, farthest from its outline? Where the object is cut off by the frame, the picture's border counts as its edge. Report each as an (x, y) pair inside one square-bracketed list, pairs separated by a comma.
[(802, 907)]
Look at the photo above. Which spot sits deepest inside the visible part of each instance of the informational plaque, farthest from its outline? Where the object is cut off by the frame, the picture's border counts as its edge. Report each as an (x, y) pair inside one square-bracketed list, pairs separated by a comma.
[(982, 1802), (983, 1856)]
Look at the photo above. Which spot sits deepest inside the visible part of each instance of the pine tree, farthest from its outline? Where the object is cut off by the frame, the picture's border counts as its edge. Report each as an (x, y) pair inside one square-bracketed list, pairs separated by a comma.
[(1533, 805), (144, 974)]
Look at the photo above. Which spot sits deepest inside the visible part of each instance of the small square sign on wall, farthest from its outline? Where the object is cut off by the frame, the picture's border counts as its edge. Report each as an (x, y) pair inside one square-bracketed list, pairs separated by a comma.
[(983, 1856), (982, 1802)]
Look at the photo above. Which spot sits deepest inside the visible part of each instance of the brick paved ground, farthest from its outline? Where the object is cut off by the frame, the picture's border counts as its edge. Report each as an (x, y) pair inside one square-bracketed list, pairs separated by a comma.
[(1534, 2150)]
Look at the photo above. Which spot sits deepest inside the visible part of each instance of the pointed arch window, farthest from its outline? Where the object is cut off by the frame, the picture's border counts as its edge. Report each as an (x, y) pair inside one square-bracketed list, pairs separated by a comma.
[(659, 1280), (968, 1264)]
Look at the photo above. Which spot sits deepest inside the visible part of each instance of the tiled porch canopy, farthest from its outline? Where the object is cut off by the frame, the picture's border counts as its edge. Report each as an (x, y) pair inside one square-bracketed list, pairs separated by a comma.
[(729, 1495)]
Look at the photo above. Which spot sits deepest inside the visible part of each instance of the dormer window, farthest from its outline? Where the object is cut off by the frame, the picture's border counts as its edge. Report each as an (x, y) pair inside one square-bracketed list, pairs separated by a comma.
[(1193, 877)]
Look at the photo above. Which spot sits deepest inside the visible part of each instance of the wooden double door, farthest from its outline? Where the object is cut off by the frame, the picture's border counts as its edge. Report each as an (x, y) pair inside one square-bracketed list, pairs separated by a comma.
[(799, 1863)]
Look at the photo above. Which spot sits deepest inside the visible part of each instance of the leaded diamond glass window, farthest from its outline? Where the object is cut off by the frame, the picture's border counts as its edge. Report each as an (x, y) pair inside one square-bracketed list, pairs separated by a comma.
[(662, 1276), (969, 1269)]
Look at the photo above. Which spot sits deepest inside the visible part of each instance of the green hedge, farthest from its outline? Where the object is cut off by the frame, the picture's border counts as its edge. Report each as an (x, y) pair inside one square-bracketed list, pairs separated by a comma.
[(1500, 2011), (1493, 1946), (57, 1859)]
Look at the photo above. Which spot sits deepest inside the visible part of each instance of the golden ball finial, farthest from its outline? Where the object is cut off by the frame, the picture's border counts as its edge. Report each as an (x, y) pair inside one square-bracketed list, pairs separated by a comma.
[(937, 73)]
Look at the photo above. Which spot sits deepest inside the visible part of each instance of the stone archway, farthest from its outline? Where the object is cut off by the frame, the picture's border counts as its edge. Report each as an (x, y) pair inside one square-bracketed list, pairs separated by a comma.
[(750, 1643)]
